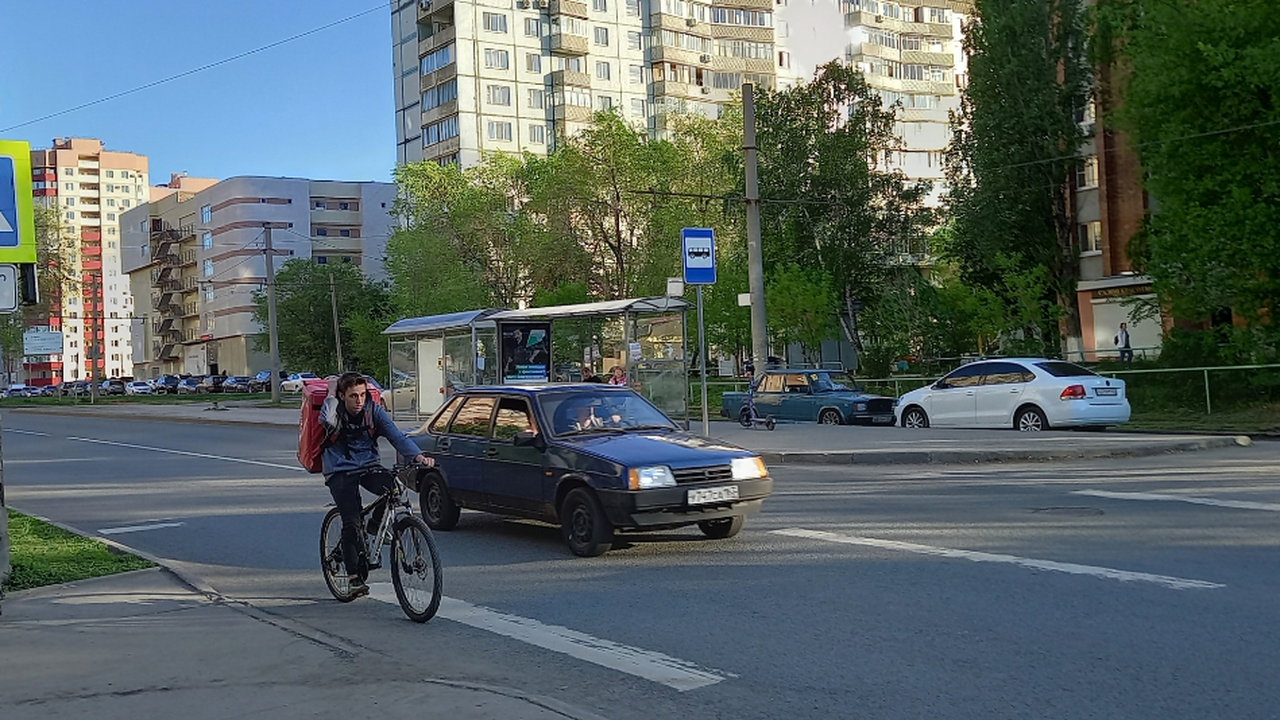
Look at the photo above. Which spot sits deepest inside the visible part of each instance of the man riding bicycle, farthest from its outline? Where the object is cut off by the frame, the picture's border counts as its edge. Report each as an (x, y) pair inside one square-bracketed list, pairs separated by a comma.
[(350, 460)]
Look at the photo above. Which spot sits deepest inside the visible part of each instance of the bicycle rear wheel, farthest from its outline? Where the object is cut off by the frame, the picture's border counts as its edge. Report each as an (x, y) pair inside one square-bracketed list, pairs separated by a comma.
[(331, 563), (416, 569)]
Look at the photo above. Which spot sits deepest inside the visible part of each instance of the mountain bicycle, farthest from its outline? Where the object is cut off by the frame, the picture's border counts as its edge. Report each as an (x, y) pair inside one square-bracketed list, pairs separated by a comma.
[(416, 571)]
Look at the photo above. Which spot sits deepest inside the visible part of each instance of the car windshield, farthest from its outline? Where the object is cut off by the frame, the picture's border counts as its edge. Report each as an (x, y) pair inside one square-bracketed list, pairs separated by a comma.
[(832, 382), (1057, 368), (579, 412)]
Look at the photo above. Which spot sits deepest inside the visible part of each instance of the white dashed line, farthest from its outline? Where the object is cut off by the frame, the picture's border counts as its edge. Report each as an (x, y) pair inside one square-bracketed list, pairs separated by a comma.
[(657, 667), (1175, 583), (26, 432), (138, 528), (206, 456), (1237, 504)]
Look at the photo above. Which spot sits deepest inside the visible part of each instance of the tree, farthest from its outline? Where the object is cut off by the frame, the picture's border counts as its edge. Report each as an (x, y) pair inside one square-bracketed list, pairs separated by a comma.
[(1198, 89), (829, 201), (53, 277), (1014, 147), (801, 308), (304, 317)]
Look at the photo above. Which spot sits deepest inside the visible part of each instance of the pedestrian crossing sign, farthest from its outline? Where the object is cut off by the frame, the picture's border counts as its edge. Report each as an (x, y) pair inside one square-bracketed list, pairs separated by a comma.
[(17, 218)]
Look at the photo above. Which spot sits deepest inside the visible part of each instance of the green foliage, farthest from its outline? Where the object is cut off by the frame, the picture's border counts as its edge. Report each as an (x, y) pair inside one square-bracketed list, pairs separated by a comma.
[(1013, 151), (429, 276), (55, 276), (801, 308), (42, 554), (304, 318), (1201, 88)]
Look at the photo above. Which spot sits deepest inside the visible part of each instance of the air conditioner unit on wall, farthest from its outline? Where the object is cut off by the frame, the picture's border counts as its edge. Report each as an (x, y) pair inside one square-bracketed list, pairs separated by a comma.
[(522, 3), (690, 21), (706, 90), (543, 3), (704, 58), (424, 5)]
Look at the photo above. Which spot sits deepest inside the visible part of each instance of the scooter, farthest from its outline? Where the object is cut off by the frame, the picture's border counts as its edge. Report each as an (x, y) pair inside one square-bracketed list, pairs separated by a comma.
[(749, 418)]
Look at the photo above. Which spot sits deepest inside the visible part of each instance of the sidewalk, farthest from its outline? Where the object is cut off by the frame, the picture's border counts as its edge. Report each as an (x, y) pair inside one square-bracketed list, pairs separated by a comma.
[(143, 644), (789, 444)]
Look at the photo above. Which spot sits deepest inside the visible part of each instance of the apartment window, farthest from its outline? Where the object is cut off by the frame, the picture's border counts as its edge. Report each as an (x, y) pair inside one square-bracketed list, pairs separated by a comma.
[(637, 107), (206, 214), (570, 64), (206, 240), (208, 268), (604, 103), (111, 244), (124, 203), (533, 62), (633, 40), (320, 205), (636, 74), (602, 71), (111, 203), (940, 15), (344, 233), (499, 130), (1090, 237), (600, 5), (538, 134), (440, 94), (535, 99), (532, 27), (209, 294), (111, 230), (69, 171), (497, 59), (602, 36), (495, 22), (499, 95), (784, 59), (633, 8), (438, 59), (71, 216), (68, 186), (1087, 172), (111, 173), (69, 201)]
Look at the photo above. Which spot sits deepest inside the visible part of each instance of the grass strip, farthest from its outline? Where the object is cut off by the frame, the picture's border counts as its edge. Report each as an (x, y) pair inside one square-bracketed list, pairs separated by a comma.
[(42, 554)]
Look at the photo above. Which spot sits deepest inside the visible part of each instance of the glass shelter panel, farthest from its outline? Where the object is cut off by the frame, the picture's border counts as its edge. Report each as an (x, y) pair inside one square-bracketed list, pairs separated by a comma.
[(404, 379)]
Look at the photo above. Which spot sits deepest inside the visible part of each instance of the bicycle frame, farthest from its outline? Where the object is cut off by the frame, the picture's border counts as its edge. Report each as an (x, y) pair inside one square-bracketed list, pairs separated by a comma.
[(399, 507)]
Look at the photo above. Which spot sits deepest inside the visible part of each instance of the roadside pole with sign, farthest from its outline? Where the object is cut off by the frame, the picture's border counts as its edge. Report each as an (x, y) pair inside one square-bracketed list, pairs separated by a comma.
[(699, 245), (17, 248)]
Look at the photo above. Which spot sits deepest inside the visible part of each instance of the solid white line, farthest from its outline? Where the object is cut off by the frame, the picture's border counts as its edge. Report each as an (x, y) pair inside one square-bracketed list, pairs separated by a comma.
[(1238, 504), (27, 432), (672, 672), (189, 454), (138, 528), (1072, 568)]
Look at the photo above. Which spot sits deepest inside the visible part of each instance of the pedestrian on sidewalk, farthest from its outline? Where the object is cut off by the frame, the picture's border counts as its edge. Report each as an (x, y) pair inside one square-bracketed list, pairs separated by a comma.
[(1122, 342)]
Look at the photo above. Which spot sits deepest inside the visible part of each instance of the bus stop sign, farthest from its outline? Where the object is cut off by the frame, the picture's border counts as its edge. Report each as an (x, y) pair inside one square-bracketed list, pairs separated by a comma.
[(699, 256)]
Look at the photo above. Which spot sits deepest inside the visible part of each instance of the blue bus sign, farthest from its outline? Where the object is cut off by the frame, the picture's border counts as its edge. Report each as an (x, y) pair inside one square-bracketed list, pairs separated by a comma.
[(699, 246)]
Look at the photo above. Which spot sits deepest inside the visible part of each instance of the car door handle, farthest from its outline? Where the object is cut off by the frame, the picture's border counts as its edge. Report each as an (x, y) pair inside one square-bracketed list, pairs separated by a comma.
[(491, 452), (442, 445), (969, 392)]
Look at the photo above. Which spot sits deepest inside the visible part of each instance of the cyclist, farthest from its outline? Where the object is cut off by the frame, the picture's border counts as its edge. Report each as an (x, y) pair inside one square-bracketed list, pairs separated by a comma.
[(351, 460)]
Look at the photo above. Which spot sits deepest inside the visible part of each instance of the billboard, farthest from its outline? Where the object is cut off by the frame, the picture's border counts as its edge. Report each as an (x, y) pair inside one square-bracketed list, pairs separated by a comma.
[(525, 351), (17, 215), (41, 342)]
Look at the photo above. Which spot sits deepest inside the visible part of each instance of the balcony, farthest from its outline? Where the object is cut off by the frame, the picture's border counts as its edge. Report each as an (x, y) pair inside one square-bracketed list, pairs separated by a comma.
[(566, 44), (572, 8), (561, 78), (188, 257), (438, 39), (924, 57), (431, 79), (680, 56), (168, 351), (572, 113)]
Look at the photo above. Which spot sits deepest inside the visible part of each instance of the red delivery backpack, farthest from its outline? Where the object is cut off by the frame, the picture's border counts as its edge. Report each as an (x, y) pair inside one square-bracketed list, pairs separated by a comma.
[(312, 435)]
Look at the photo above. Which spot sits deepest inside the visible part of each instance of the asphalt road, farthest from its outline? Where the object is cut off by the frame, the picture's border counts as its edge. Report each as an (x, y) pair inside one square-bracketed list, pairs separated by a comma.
[(1089, 589)]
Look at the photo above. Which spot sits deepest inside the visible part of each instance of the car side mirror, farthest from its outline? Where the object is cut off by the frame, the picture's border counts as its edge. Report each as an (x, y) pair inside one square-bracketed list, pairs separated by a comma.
[(940, 385), (528, 438)]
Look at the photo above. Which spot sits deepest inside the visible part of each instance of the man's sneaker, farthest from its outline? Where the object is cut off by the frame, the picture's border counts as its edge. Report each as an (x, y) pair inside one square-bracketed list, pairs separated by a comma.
[(356, 587)]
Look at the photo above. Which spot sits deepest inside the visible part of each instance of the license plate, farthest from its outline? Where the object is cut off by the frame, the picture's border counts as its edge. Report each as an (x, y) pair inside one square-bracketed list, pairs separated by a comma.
[(1104, 391), (702, 496), (882, 419)]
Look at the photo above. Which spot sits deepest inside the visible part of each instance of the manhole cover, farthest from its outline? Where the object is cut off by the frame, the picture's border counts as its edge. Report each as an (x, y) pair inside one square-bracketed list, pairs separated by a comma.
[(1077, 510)]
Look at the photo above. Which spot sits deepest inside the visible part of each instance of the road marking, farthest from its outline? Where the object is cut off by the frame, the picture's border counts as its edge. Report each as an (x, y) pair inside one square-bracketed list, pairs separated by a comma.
[(188, 454), (1175, 583), (138, 528), (1238, 504), (27, 432), (672, 672)]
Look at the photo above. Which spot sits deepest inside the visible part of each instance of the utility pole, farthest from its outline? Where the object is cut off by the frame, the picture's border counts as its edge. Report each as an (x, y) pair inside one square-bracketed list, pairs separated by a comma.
[(271, 313), (337, 336), (92, 351), (755, 251)]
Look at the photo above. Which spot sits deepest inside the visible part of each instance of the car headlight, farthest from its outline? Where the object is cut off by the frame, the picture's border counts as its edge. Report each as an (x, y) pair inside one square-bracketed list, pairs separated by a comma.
[(748, 468), (655, 476), (860, 407)]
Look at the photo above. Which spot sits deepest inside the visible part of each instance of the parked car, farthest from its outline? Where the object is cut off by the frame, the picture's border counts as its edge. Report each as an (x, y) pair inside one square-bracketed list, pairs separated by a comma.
[(167, 384), (590, 458), (1027, 394), (188, 386), (138, 387), (50, 390), (293, 383), (829, 397), (75, 387), (211, 383), (261, 382), (236, 384), (113, 386)]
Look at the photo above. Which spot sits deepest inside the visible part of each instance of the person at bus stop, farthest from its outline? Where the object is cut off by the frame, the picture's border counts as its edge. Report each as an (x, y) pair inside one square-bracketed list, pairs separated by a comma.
[(617, 376)]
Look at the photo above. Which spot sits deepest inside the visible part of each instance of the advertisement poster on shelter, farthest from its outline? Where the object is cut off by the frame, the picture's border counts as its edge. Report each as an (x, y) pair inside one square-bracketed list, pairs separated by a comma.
[(526, 352)]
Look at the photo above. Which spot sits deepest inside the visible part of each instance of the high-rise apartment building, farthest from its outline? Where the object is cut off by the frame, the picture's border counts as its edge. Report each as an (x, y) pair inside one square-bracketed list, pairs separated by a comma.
[(91, 187), (511, 75), (194, 259)]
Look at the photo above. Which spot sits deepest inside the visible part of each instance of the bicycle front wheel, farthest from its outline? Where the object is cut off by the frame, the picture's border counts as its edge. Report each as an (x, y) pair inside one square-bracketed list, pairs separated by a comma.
[(416, 569)]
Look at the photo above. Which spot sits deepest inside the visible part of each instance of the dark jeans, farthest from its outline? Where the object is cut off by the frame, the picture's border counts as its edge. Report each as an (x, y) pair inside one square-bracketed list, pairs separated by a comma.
[(1126, 355), (345, 489)]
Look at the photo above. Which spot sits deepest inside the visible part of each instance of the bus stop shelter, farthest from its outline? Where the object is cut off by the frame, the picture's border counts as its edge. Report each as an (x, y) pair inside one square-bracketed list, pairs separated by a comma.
[(431, 357)]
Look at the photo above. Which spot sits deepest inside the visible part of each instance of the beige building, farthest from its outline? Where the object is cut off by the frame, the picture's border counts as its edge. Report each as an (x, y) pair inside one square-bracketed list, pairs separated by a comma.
[(92, 188), (196, 257), (511, 75)]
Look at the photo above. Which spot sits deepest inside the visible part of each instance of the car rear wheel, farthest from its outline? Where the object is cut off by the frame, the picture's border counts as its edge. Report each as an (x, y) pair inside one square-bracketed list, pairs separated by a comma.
[(586, 529), (830, 417), (722, 529), (1031, 419), (915, 418), (438, 509)]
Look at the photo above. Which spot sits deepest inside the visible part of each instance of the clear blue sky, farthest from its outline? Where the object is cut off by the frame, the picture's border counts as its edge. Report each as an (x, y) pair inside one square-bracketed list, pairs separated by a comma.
[(320, 107)]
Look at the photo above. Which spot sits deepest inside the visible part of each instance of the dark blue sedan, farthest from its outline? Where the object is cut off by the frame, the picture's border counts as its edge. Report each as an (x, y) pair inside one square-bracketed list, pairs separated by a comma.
[(590, 458)]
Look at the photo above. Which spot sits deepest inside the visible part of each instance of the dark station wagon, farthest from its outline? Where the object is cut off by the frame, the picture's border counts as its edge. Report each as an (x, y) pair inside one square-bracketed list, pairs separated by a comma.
[(590, 458), (829, 397)]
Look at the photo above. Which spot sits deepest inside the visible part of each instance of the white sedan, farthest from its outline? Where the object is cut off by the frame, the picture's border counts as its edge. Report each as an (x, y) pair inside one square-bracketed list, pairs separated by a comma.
[(1027, 394), (294, 383), (138, 387)]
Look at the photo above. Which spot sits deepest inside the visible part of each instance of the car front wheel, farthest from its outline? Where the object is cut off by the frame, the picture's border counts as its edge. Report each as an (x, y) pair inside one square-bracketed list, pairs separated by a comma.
[(722, 529), (438, 509), (586, 529), (915, 418)]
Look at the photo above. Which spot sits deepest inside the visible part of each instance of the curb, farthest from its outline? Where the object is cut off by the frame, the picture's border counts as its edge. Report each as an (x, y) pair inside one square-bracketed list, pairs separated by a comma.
[(956, 457)]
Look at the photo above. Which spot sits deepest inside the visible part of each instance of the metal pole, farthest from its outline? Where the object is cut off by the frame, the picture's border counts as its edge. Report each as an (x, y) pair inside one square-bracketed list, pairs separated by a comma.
[(93, 339), (271, 313), (702, 367), (1208, 406), (755, 252), (337, 335)]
